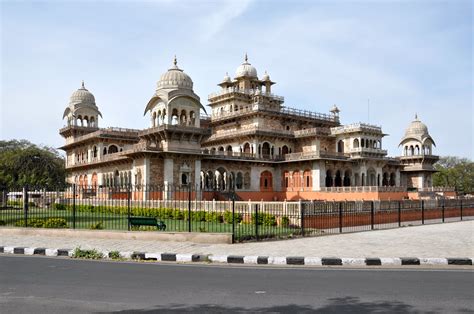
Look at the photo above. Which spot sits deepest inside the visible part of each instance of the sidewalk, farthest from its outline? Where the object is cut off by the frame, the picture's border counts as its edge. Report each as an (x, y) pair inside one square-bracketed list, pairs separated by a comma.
[(429, 241)]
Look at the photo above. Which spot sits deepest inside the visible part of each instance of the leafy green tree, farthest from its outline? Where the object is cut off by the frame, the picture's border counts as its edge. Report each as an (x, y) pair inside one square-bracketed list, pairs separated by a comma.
[(455, 172), (24, 163)]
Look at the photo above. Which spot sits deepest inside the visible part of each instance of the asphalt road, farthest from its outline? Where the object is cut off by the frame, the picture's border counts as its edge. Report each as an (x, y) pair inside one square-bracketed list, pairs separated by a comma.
[(54, 285)]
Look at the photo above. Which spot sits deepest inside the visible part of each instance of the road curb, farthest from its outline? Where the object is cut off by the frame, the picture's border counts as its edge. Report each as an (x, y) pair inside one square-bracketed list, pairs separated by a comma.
[(253, 260)]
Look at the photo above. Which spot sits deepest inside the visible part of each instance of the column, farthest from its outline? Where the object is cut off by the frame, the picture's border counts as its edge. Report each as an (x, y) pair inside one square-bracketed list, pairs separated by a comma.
[(168, 179)]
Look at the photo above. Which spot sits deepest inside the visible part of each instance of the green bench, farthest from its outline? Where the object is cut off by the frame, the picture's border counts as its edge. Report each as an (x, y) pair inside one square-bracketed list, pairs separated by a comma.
[(147, 221)]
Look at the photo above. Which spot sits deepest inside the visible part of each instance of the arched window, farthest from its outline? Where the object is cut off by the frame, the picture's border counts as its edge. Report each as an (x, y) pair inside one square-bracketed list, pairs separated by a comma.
[(340, 146), (417, 150), (113, 149), (192, 117), (362, 143), (229, 150), (266, 150), (338, 179), (153, 121), (284, 150), (94, 152), (307, 177), (266, 181), (104, 152), (347, 178), (355, 144), (184, 178), (92, 122), (174, 117), (412, 150), (329, 178), (182, 117), (239, 181), (247, 148)]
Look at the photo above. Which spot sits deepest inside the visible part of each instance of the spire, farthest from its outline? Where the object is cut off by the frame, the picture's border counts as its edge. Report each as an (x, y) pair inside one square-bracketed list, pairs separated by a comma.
[(83, 84), (175, 61), (246, 58), (416, 116)]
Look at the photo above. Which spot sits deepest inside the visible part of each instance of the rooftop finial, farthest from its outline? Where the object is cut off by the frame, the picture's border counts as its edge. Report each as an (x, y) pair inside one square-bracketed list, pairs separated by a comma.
[(175, 61), (416, 116), (82, 84), (246, 58)]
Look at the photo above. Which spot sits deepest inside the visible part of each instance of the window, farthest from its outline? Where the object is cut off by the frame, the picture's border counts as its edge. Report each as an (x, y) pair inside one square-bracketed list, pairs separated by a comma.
[(184, 179)]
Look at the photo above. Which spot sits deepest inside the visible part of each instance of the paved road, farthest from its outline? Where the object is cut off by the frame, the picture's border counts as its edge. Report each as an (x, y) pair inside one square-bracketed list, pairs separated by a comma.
[(54, 285)]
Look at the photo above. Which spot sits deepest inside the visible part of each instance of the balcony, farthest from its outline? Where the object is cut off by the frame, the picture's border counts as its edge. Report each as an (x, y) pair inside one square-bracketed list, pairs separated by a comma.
[(312, 132), (248, 131), (361, 189), (357, 127), (247, 92), (365, 150), (253, 108)]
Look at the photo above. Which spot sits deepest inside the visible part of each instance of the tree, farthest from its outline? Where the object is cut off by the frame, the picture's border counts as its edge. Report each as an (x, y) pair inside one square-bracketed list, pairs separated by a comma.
[(24, 163), (455, 172)]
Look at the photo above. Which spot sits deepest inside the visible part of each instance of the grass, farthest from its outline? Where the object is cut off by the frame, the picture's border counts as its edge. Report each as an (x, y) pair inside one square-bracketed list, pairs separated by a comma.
[(86, 220)]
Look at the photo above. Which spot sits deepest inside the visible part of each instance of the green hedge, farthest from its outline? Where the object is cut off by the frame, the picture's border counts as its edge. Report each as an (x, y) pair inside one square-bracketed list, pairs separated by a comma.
[(43, 223)]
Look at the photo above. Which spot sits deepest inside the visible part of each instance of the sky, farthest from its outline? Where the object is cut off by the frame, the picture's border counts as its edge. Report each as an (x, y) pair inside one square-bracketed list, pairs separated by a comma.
[(381, 62)]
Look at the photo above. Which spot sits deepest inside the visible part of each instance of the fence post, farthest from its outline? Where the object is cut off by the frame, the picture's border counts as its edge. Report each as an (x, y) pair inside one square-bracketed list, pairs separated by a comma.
[(372, 215), (301, 217), (422, 212), (399, 213), (74, 206), (25, 205), (189, 209), (442, 211), (129, 210), (340, 217), (461, 208), (256, 221), (233, 217)]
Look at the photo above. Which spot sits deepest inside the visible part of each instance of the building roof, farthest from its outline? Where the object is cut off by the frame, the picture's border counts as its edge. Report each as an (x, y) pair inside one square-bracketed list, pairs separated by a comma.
[(246, 70), (417, 130), (175, 78)]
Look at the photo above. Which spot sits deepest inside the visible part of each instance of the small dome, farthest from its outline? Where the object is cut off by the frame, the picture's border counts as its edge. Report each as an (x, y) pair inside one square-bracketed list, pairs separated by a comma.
[(266, 77), (82, 95), (246, 70), (226, 78), (417, 130), (175, 78)]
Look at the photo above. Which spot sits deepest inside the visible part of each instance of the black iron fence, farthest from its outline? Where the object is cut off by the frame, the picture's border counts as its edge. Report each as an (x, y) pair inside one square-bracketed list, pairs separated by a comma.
[(185, 209)]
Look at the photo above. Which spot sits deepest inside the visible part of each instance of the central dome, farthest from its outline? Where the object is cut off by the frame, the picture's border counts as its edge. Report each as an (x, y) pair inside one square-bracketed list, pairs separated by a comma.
[(175, 78), (82, 95), (246, 70)]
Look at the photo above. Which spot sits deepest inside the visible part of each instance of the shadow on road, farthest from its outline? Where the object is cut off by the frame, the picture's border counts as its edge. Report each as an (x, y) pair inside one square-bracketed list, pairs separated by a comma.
[(335, 305)]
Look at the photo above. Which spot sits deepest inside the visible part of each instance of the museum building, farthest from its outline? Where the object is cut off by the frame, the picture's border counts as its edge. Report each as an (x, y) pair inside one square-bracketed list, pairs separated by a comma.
[(246, 141)]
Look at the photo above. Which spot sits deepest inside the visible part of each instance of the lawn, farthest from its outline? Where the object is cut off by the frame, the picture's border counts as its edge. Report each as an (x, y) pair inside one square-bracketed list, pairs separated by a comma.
[(89, 220)]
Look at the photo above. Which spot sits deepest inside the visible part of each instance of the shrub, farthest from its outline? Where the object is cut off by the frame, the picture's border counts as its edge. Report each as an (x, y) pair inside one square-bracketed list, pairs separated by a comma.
[(265, 219), (59, 206), (89, 254), (31, 204), (228, 217), (202, 229), (3, 223), (114, 255), (34, 223), (198, 215), (55, 223), (285, 221), (214, 217), (97, 226), (178, 214)]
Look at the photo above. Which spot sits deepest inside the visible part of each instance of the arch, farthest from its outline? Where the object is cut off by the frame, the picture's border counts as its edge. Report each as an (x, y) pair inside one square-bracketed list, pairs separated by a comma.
[(405, 152), (174, 117), (284, 150), (329, 181), (116, 178), (362, 143), (347, 178), (355, 143), (192, 118), (79, 120), (153, 120), (338, 179), (239, 181), (85, 121), (266, 181), (392, 181), (417, 150), (362, 180), (94, 151), (307, 178), (247, 148), (266, 150), (371, 177), (247, 180), (412, 150), (385, 179), (92, 122), (340, 146), (221, 148), (296, 179), (104, 152), (182, 117), (113, 149), (286, 179), (229, 150)]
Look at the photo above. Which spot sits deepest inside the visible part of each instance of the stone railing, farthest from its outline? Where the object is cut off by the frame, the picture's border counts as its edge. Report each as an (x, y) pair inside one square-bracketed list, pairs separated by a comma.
[(312, 132), (437, 189), (361, 189), (279, 110), (248, 92), (248, 130), (368, 150), (356, 127)]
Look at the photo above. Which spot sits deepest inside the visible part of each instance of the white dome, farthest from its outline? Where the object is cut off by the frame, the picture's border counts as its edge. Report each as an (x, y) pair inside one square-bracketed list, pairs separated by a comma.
[(246, 70), (266, 77), (175, 78), (82, 95), (226, 78), (417, 130)]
